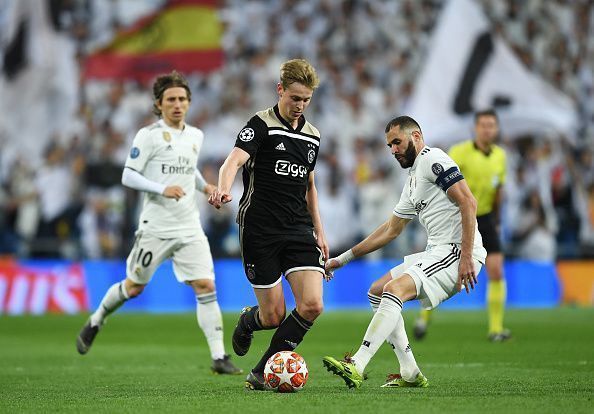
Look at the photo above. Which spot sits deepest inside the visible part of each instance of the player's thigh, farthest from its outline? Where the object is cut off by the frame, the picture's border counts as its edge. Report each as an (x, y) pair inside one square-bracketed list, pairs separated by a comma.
[(435, 274), (146, 255), (192, 260), (307, 287), (378, 286), (261, 259), (442, 283), (303, 266), (403, 286), (301, 253)]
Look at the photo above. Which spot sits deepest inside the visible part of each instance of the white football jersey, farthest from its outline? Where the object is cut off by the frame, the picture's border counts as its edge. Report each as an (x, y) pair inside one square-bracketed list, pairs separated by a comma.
[(168, 156), (425, 195)]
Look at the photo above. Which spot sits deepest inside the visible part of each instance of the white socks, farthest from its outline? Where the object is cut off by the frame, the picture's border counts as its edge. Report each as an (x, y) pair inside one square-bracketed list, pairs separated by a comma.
[(399, 342), (387, 324), (115, 297), (210, 321)]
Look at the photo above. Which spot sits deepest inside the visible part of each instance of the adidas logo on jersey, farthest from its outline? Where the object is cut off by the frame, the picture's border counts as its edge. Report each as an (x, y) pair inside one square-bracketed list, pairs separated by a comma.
[(281, 147), (169, 148)]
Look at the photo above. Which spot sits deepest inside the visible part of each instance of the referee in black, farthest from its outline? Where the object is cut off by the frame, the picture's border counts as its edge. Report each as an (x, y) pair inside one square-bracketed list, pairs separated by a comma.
[(281, 231)]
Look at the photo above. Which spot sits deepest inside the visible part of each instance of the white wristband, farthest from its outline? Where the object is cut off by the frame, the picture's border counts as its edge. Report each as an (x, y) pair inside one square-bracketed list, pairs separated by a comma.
[(345, 257)]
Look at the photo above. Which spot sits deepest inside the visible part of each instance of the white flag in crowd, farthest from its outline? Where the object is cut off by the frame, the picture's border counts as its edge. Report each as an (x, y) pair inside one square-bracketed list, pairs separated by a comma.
[(38, 78), (469, 69)]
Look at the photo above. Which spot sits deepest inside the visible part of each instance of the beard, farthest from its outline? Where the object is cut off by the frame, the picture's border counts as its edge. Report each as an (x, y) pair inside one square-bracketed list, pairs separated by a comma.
[(407, 159)]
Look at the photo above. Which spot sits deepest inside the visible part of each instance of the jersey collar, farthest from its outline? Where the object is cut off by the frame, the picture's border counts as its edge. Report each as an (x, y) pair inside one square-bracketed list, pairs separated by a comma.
[(300, 122), (414, 166), (164, 125), (476, 147)]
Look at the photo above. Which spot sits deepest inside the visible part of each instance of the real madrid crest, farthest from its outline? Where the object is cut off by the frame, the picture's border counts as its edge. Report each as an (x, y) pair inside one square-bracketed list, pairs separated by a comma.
[(166, 136)]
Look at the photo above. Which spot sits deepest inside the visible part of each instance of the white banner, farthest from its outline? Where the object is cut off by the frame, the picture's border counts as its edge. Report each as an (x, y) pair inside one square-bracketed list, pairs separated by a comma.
[(468, 69), (40, 95)]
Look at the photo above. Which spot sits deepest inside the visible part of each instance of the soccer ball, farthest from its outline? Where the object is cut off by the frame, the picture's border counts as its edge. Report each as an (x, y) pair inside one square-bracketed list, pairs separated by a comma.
[(285, 371)]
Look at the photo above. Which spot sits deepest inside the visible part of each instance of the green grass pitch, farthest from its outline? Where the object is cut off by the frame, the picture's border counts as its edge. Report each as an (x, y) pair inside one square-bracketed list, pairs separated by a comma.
[(160, 363)]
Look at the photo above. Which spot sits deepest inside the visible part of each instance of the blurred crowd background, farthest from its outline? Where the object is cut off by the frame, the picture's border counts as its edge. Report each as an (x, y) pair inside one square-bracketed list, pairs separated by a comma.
[(66, 199)]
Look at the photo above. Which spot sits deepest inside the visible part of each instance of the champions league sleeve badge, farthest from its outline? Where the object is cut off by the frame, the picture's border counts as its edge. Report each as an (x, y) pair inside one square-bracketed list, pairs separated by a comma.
[(246, 134), (437, 168), (134, 152)]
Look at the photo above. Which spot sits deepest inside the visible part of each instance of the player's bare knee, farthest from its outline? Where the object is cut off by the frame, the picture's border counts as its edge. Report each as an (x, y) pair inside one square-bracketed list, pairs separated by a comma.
[(202, 286), (310, 310), (134, 290), (495, 276), (377, 288), (391, 287), (494, 273), (396, 287)]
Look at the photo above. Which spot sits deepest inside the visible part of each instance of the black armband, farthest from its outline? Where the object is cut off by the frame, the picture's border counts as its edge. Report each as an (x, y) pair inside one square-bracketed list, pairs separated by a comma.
[(448, 178)]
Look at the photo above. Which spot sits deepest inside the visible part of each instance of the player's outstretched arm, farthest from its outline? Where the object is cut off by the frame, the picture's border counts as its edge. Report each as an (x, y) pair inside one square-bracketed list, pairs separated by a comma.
[(460, 193), (381, 236), (235, 160)]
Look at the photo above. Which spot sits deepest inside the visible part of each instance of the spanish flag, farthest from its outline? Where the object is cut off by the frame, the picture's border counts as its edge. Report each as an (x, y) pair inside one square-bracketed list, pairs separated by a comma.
[(185, 35)]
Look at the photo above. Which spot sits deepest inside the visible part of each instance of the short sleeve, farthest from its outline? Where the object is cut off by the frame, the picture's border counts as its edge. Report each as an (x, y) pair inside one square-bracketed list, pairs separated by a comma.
[(440, 169), (252, 135), (405, 208), (141, 151)]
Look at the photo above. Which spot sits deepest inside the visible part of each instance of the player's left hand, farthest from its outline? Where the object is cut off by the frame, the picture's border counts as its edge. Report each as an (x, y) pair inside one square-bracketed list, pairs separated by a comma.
[(323, 245), (466, 274), (174, 191)]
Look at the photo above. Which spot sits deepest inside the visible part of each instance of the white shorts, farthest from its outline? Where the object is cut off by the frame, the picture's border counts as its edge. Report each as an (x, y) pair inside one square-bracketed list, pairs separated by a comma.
[(435, 273), (190, 255)]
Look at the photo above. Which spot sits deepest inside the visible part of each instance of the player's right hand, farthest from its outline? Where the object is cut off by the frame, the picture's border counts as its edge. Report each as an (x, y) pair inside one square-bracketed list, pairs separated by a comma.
[(218, 198), (466, 275), (174, 191), (330, 266)]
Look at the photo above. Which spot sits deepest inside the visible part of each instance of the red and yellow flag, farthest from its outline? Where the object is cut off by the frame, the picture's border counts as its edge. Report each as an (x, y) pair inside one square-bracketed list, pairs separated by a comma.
[(185, 35)]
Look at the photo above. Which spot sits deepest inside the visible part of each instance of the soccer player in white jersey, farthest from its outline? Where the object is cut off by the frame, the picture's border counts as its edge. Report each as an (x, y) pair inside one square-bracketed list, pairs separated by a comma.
[(163, 164), (437, 193)]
